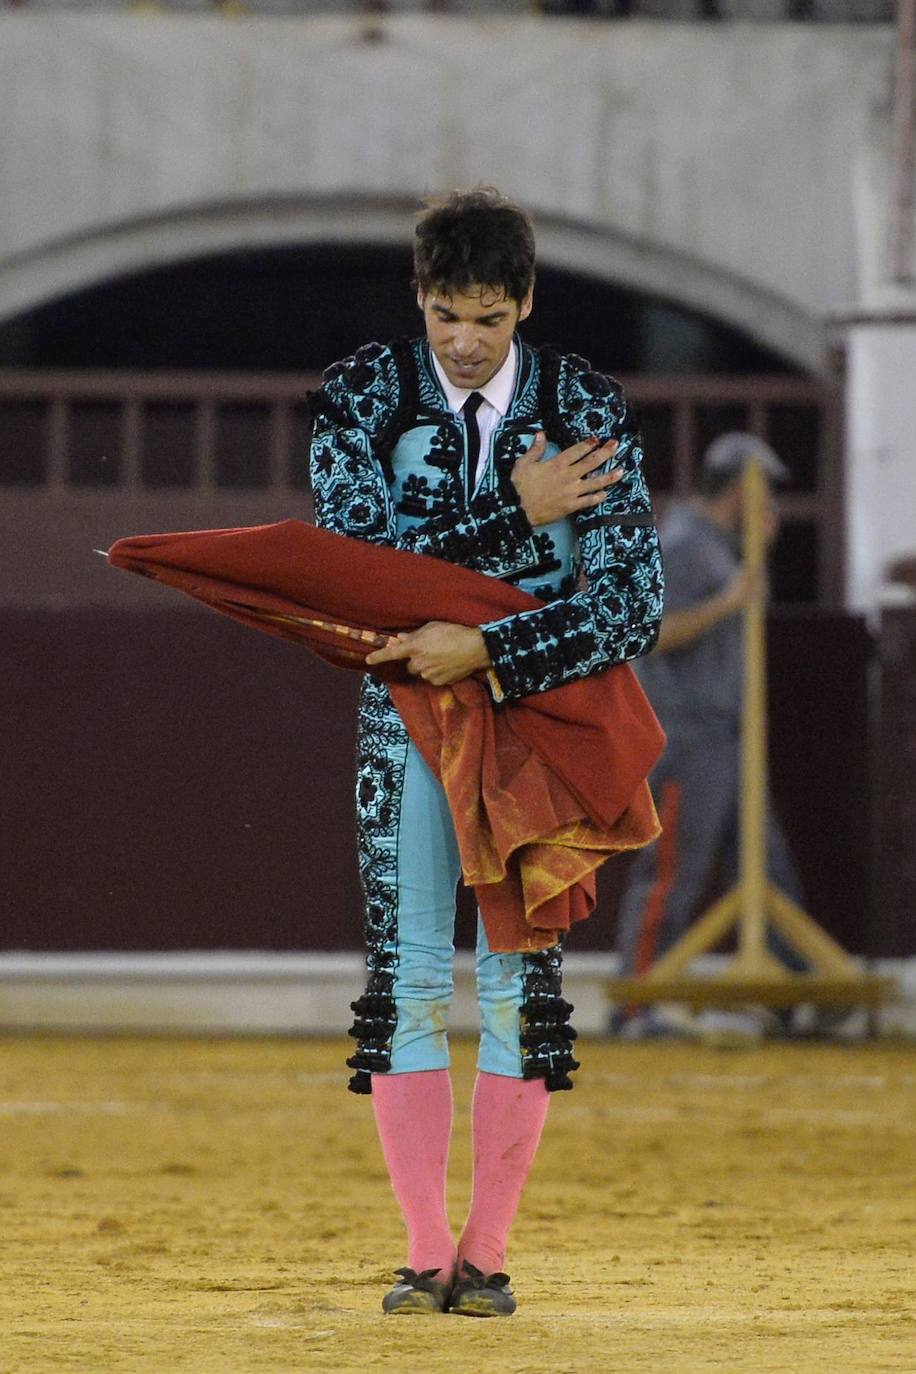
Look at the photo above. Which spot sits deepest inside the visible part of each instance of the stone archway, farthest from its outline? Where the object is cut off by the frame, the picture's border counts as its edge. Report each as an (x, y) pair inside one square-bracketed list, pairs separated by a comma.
[(58, 269)]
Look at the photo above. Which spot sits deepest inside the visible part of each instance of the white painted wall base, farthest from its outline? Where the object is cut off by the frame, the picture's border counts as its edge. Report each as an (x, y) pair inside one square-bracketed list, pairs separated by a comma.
[(277, 994), (881, 456)]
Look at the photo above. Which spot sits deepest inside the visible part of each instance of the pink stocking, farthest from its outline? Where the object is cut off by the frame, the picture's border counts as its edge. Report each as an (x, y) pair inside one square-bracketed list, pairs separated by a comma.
[(508, 1114), (413, 1113)]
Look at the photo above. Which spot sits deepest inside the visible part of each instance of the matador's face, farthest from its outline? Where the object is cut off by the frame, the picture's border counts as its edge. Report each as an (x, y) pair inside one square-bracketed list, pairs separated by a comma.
[(470, 333)]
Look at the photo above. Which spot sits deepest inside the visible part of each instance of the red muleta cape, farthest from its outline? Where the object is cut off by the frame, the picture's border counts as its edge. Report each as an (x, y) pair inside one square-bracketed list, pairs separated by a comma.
[(541, 790)]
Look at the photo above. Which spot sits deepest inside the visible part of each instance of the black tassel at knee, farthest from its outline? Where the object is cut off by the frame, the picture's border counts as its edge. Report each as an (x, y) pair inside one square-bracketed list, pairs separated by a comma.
[(546, 1037), (373, 1027)]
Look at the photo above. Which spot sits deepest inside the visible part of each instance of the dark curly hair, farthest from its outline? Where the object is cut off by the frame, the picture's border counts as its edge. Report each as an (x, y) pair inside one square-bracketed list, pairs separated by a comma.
[(474, 238)]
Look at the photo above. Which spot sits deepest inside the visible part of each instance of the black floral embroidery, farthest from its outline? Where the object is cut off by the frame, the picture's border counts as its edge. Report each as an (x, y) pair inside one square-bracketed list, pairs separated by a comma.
[(548, 592), (381, 753), (418, 497), (616, 617), (509, 448), (446, 448), (351, 469), (547, 560)]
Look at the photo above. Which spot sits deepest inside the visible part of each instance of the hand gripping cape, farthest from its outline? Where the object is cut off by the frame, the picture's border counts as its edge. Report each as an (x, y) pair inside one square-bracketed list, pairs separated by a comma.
[(541, 790)]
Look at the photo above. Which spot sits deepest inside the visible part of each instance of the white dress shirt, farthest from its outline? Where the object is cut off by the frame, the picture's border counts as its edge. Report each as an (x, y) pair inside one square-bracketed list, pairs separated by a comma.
[(497, 397)]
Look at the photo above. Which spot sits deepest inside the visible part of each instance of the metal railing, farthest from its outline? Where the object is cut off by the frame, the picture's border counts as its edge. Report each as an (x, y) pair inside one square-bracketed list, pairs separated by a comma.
[(173, 446), (110, 430)]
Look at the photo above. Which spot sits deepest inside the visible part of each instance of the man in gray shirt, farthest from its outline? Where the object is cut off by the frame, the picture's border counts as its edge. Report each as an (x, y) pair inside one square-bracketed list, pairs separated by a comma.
[(694, 681)]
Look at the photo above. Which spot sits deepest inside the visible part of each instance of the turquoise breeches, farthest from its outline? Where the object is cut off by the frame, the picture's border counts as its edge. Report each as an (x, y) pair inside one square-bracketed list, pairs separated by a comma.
[(410, 869), (428, 870)]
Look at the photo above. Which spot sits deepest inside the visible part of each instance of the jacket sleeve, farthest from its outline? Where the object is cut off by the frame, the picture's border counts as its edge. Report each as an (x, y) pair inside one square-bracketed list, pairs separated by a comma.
[(617, 616), (351, 490)]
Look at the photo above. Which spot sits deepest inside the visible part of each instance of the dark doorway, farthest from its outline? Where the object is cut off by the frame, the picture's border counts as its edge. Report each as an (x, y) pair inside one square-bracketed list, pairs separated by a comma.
[(299, 309)]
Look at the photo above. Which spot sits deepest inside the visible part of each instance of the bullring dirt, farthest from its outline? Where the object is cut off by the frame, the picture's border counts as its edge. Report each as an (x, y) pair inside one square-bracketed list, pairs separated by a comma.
[(220, 1207)]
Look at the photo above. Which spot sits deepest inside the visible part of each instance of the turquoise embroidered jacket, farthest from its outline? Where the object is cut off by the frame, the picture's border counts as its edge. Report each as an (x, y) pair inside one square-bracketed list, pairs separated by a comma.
[(389, 464)]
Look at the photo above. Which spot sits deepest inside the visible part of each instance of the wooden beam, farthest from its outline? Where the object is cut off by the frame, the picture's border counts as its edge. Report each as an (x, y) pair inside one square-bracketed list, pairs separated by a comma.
[(790, 990)]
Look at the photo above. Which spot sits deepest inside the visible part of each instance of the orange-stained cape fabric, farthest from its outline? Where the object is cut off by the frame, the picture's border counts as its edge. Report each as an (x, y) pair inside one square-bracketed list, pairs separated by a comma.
[(541, 789)]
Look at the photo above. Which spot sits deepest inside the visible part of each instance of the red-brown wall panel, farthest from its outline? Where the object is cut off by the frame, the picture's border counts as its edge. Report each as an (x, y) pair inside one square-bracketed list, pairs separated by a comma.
[(169, 780)]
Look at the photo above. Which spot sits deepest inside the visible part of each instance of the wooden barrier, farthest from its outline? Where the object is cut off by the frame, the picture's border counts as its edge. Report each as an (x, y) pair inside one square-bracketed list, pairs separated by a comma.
[(170, 781)]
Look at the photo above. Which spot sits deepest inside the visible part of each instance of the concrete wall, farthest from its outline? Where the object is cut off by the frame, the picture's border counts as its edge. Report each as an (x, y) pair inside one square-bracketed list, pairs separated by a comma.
[(743, 170), (718, 165)]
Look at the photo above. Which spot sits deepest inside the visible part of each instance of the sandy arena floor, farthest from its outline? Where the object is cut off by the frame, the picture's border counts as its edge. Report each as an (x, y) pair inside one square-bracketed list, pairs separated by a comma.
[(221, 1207)]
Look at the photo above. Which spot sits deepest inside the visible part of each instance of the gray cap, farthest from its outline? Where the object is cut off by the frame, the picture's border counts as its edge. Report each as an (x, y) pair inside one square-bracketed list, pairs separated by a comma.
[(729, 453)]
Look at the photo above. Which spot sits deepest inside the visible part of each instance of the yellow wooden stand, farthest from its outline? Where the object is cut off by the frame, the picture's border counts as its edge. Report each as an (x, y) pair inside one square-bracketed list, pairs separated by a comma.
[(755, 976)]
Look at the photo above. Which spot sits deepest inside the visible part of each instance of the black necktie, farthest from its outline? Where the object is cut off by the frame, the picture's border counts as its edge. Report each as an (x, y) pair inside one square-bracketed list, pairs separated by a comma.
[(469, 411)]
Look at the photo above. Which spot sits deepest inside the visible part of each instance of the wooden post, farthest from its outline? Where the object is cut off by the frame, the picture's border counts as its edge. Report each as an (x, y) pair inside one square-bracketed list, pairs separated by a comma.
[(753, 725)]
